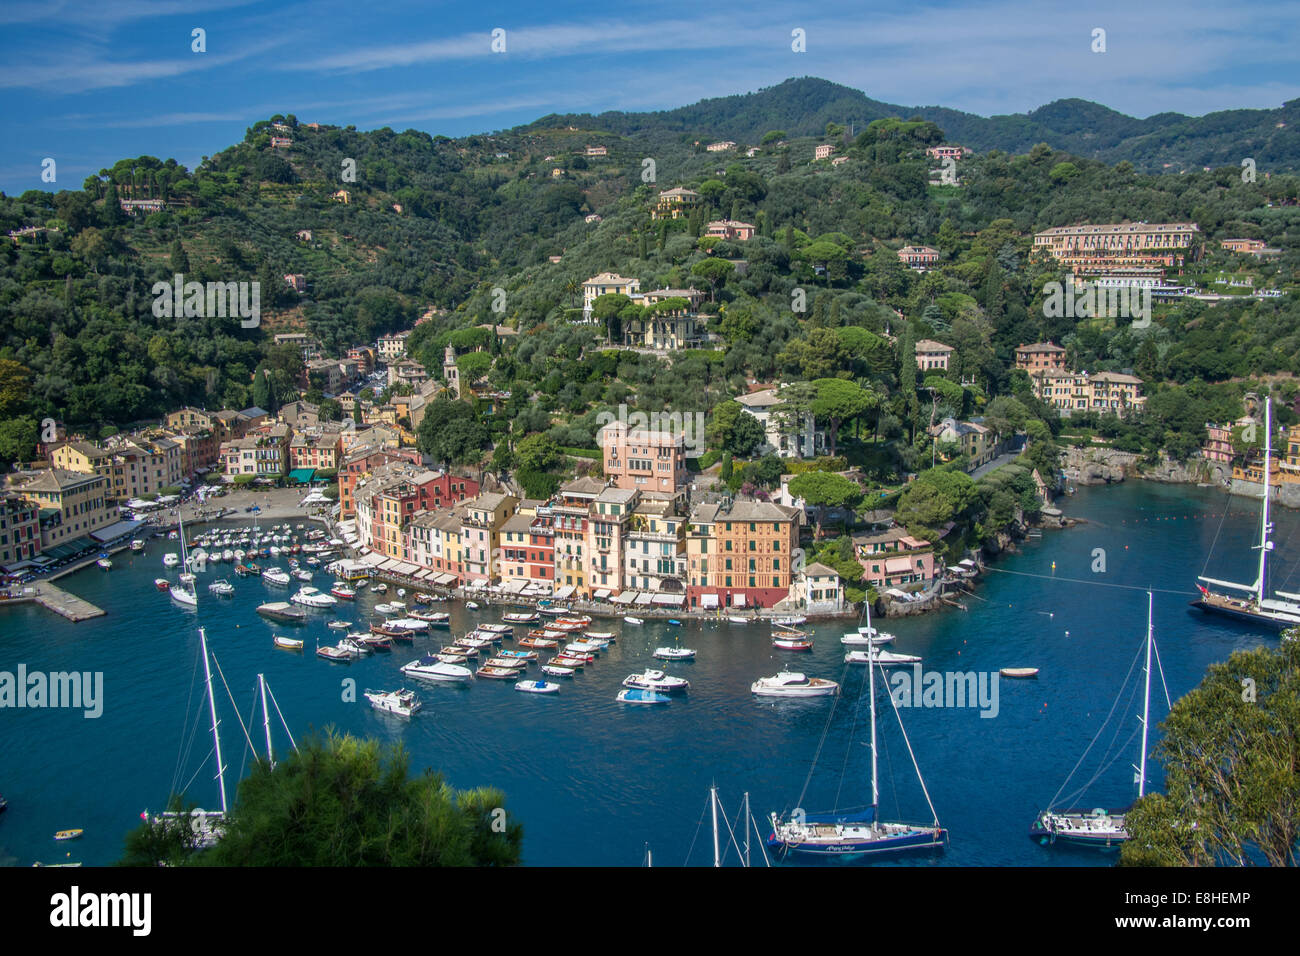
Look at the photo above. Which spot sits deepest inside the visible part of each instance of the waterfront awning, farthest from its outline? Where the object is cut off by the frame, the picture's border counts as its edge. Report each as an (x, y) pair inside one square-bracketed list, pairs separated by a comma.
[(676, 600), (514, 586), (898, 565), (708, 600), (302, 475), (68, 548), (405, 568), (478, 583), (627, 597), (348, 526), (372, 558), (564, 592), (115, 531), (644, 598), (602, 594)]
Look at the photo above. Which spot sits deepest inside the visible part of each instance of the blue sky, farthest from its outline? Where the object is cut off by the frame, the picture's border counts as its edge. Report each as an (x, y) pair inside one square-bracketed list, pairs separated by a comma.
[(88, 83)]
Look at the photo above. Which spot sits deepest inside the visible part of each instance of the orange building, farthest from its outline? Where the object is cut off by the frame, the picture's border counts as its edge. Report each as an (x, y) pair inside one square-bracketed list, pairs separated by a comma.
[(739, 554)]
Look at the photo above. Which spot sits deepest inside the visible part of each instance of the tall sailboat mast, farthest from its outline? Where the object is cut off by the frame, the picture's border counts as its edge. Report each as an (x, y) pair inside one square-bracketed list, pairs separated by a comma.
[(1264, 527), (212, 704), (871, 696), (713, 797), (1146, 704), (266, 721)]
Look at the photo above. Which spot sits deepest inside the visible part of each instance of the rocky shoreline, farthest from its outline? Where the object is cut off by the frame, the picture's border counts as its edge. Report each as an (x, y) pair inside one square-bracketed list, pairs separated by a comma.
[(1101, 466)]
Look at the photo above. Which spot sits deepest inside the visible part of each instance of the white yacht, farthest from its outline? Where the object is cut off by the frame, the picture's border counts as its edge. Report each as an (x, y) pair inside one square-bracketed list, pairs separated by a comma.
[(275, 576), (657, 680), (793, 684), (313, 597), (430, 668), (222, 588), (403, 703)]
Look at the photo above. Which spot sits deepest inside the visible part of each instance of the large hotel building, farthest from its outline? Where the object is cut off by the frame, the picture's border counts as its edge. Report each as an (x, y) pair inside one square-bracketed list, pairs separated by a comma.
[(1100, 249)]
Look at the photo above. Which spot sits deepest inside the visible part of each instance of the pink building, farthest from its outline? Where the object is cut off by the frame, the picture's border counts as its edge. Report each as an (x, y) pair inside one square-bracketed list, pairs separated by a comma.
[(642, 460), (918, 257), (948, 152), (932, 355), (824, 151), (893, 557)]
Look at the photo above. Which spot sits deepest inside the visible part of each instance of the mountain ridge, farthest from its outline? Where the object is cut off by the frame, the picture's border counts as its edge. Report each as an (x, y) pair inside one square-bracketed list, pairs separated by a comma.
[(802, 106)]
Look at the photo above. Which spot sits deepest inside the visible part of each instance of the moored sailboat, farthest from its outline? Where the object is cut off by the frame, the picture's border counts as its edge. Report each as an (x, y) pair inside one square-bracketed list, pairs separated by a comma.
[(1255, 607), (856, 836), (1100, 827)]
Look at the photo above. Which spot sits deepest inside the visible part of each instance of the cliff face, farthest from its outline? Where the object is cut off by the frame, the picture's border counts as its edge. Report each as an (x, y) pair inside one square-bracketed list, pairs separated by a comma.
[(1098, 465)]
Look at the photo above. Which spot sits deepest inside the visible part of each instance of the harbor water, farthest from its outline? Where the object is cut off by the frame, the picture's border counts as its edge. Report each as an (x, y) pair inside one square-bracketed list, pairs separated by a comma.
[(594, 781)]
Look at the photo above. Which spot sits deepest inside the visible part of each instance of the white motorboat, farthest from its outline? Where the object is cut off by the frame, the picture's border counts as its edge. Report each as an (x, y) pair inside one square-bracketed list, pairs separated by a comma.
[(380, 588), (409, 624), (633, 620), (537, 687), (227, 555), (359, 648), (339, 625), (738, 620), (430, 668), (401, 592), (104, 563), (636, 695), (137, 544), (313, 597), (793, 684), (862, 638), (275, 576), (471, 606), (674, 653), (302, 575), (390, 609), (883, 658), (402, 703), (789, 621), (222, 588), (555, 670), (657, 680), (171, 559)]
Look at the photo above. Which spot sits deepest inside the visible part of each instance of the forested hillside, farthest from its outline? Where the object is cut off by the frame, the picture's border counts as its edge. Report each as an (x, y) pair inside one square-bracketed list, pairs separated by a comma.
[(434, 222)]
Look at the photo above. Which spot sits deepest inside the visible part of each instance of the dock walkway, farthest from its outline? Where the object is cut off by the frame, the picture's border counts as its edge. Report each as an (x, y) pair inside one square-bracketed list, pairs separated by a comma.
[(68, 605)]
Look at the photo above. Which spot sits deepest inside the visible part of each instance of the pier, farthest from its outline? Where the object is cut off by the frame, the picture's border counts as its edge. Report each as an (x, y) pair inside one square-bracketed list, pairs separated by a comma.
[(68, 605)]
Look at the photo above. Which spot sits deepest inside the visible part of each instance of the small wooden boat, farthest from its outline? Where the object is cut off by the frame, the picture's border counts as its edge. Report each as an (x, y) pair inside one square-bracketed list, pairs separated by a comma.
[(520, 618), (104, 563), (583, 620), (789, 621), (339, 625), (569, 663), (1019, 672), (380, 588), (497, 673), (510, 662), (344, 592), (583, 647), (545, 634), (460, 650), (68, 834), (567, 628), (434, 618), (478, 642), (555, 670), (541, 643), (496, 630), (537, 687), (606, 636), (339, 655), (396, 633), (673, 622), (471, 605), (792, 643), (527, 656), (376, 641), (288, 643), (738, 620), (633, 620), (446, 657), (162, 584), (568, 655)]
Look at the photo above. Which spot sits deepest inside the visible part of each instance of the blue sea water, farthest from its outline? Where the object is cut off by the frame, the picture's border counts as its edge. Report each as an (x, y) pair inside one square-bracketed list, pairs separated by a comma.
[(594, 781)]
